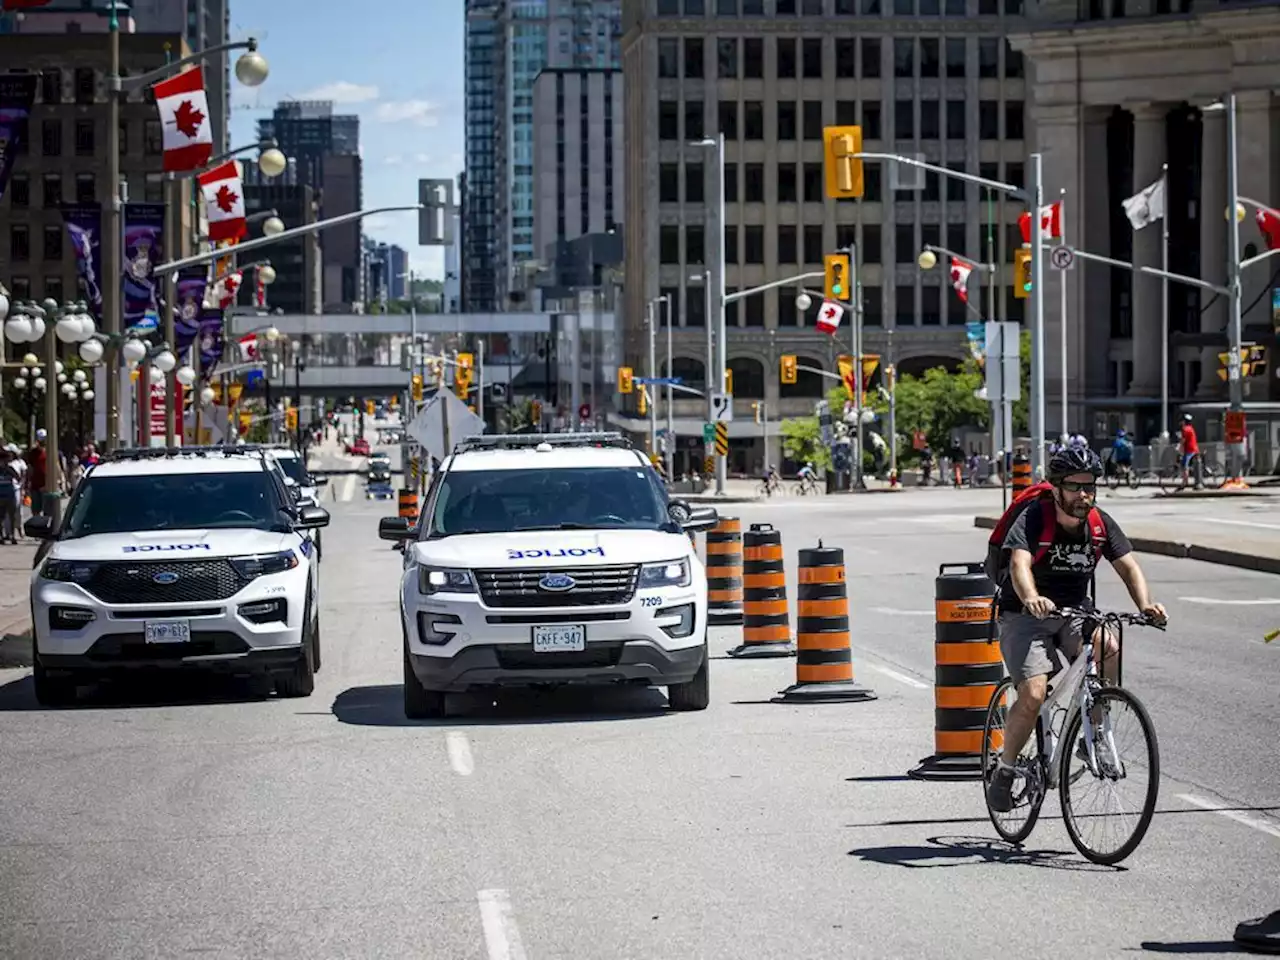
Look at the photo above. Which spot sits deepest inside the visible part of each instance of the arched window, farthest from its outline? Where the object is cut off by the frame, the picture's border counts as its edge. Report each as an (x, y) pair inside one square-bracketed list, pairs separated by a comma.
[(692, 372), (748, 378), (808, 385), (916, 366)]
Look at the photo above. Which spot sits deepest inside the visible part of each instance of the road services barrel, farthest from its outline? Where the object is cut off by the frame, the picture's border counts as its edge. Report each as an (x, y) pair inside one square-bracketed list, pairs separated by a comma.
[(824, 659), (967, 669), (409, 504), (724, 572), (1021, 474), (766, 623)]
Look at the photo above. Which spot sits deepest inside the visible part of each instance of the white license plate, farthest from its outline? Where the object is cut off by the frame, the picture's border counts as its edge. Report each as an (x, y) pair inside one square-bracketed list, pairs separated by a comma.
[(167, 631), (559, 639)]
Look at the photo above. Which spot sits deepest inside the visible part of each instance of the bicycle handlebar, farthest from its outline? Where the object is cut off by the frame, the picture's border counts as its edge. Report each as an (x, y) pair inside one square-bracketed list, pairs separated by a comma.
[(1103, 616)]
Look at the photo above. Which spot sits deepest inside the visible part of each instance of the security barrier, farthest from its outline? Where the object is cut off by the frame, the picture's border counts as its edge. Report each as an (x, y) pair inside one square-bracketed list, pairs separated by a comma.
[(766, 629), (1021, 474), (409, 504), (724, 572), (824, 658), (967, 669)]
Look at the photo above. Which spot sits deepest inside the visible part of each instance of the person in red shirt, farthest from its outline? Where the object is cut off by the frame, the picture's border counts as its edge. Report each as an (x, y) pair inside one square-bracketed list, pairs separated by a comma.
[(1190, 448)]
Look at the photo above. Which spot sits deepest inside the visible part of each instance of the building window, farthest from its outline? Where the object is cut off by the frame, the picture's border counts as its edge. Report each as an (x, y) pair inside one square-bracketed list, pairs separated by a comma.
[(753, 120), (812, 8), (904, 306), (753, 182), (814, 183), (693, 117), (124, 137), (753, 242), (1013, 174), (955, 186), (86, 188), (1013, 63), (669, 312), (19, 243), (694, 58), (153, 188), (786, 120), (785, 48), (871, 120), (668, 120), (20, 287), (956, 238), (52, 190), (1013, 120), (930, 124), (846, 113), (85, 145), (695, 245), (728, 111), (812, 238), (988, 58), (904, 120), (753, 58), (872, 307), (668, 8), (931, 306), (726, 8), (989, 119), (904, 8), (20, 190), (786, 182), (669, 183), (695, 8), (812, 116), (904, 243), (53, 288), (669, 244), (668, 58), (955, 58), (694, 183), (784, 7), (753, 8), (846, 58), (870, 57), (86, 85), (787, 249), (53, 243), (695, 315), (955, 8), (955, 119), (871, 183), (727, 58), (872, 249), (153, 138), (754, 315), (731, 243), (930, 58), (731, 182), (811, 58), (904, 58), (51, 138)]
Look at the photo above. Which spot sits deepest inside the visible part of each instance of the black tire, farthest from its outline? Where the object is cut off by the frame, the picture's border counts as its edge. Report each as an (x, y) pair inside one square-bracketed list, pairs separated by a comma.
[(301, 680), (989, 764), (1133, 479), (1171, 480), (53, 690), (315, 647), (419, 702), (1071, 734), (695, 694), (1213, 476)]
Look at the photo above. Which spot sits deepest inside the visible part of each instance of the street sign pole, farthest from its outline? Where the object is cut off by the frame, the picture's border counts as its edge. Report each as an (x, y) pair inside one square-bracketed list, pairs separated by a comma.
[(1037, 328)]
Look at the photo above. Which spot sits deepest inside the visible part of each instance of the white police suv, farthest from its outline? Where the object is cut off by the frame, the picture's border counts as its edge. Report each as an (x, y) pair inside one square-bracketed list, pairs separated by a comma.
[(196, 557), (297, 477), (548, 559)]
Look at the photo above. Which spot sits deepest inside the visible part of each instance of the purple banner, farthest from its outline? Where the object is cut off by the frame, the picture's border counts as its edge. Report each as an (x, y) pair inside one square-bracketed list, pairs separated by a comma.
[(143, 249), (210, 340), (191, 285), (84, 229), (17, 94)]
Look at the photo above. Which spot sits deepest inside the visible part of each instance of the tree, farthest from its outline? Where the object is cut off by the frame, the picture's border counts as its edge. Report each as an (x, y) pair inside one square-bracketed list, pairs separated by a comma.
[(802, 442)]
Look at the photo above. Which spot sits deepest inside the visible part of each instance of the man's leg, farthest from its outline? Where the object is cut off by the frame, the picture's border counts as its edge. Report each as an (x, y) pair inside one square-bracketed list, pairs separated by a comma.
[(1024, 645)]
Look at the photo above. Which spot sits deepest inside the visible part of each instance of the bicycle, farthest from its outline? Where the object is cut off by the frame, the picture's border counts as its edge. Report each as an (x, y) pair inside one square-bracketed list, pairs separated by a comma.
[(806, 485), (1073, 703), (1211, 474), (1123, 473)]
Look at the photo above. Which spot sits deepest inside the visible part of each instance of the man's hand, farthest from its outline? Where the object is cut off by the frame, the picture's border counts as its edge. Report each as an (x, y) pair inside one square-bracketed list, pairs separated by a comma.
[(1039, 607), (1156, 612)]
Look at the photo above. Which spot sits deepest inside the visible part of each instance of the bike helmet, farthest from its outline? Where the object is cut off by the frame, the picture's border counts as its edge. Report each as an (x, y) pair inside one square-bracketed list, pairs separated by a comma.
[(1072, 459)]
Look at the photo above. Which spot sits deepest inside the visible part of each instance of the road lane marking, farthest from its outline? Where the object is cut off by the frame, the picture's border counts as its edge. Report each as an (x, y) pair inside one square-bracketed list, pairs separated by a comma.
[(459, 748), (893, 611), (501, 935), (348, 487), (1214, 601), (1237, 815), (900, 677), (1237, 523)]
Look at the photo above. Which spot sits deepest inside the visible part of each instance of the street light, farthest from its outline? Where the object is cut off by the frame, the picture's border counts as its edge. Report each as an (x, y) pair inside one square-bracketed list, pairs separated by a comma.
[(927, 259), (252, 68), (803, 301), (267, 274), (272, 226), (185, 375), (272, 162)]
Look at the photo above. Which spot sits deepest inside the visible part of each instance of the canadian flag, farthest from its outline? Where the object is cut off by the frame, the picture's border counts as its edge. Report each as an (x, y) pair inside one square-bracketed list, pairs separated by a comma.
[(1269, 224), (228, 288), (260, 293), (1050, 222), (960, 270), (829, 317), (249, 348), (184, 120), (223, 202)]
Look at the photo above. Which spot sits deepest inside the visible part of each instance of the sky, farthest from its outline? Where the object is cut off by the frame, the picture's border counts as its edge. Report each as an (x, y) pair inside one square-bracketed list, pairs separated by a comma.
[(398, 64)]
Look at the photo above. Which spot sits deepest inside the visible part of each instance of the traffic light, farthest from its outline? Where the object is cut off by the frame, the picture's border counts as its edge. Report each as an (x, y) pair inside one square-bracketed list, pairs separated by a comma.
[(1255, 362), (416, 388), (462, 373), (643, 404), (1021, 273), (535, 412), (788, 371), (728, 381), (843, 168), (836, 266), (758, 410), (291, 419), (368, 407), (625, 380)]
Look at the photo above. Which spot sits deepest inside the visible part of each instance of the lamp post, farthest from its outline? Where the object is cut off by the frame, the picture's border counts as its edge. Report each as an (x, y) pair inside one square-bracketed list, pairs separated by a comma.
[(716, 145), (30, 382)]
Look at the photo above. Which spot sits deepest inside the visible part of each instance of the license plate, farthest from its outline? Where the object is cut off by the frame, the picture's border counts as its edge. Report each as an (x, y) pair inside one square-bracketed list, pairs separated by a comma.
[(559, 639), (167, 631)]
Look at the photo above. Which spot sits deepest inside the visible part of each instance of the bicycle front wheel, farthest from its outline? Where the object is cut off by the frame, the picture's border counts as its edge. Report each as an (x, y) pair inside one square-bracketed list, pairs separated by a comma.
[(1214, 476), (1107, 809), (1014, 826)]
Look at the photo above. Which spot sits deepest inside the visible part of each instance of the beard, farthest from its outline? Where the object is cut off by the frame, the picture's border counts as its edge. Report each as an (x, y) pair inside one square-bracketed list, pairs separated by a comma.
[(1078, 508)]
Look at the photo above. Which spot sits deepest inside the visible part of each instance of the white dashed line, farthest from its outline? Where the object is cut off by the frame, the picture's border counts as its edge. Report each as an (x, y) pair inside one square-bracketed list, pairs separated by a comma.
[(501, 935), (900, 677), (1235, 523), (1214, 601), (459, 748), (1257, 823), (348, 488), (903, 613)]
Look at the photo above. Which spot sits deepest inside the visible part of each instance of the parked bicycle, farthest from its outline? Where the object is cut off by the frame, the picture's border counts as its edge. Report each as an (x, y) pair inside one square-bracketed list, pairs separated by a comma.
[(1079, 748)]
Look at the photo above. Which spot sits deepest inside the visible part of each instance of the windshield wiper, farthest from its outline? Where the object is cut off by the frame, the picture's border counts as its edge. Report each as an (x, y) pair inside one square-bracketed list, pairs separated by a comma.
[(567, 525), (441, 534)]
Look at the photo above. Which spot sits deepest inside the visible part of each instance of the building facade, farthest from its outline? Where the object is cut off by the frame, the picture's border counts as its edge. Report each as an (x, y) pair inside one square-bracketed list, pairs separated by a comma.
[(297, 287), (478, 186), (578, 155), (935, 79)]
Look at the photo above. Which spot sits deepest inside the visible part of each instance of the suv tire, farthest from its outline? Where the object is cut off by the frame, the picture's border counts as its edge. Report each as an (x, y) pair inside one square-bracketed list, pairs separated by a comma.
[(301, 680), (53, 691), (696, 693), (419, 702), (315, 647)]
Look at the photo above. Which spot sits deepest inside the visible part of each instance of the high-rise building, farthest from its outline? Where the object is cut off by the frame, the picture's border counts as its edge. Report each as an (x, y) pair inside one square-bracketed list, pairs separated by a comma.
[(483, 61), (297, 262)]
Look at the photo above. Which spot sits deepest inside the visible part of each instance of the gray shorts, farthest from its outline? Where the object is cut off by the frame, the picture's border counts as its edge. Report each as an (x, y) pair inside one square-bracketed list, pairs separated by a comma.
[(1027, 644)]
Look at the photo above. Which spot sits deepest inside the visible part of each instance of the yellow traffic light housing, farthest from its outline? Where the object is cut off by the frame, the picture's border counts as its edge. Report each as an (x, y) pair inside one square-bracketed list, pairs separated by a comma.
[(369, 407), (757, 409), (728, 381), (535, 410), (1021, 273), (643, 403), (291, 419), (837, 284), (1255, 363), (843, 168), (788, 368), (626, 383), (416, 390)]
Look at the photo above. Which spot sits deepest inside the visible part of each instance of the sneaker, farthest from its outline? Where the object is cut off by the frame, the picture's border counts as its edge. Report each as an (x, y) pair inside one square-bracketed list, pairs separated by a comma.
[(1261, 935), (1000, 790)]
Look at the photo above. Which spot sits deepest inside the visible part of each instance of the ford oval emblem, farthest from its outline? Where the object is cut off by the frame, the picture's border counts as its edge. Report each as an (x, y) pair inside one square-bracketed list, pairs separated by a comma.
[(166, 577), (557, 582)]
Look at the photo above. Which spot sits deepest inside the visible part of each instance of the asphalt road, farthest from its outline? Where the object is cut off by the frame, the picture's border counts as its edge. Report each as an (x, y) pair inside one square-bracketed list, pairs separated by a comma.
[(198, 819)]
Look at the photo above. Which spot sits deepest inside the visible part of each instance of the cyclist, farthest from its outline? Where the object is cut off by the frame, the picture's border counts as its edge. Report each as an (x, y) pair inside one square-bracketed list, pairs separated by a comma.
[(1122, 452), (1058, 576), (807, 473), (1190, 448)]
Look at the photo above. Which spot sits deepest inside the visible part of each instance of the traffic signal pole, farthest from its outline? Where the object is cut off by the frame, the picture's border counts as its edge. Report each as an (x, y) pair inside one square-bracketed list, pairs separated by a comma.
[(1037, 309)]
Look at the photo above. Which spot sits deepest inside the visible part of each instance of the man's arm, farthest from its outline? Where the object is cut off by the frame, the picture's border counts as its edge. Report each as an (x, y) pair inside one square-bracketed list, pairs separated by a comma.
[(1024, 584), (1134, 581)]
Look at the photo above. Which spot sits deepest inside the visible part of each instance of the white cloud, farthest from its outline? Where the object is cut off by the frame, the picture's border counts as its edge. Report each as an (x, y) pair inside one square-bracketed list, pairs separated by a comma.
[(342, 91), (423, 113), (393, 160)]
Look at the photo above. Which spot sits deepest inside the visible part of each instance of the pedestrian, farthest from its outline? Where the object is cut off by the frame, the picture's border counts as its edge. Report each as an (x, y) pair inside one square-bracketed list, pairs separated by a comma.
[(10, 496), (37, 467)]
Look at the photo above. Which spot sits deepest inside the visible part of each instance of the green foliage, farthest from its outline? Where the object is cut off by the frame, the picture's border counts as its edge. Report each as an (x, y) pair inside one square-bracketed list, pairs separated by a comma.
[(802, 441)]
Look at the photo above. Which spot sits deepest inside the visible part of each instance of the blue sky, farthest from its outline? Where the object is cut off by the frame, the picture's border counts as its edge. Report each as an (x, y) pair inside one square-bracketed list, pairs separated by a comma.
[(398, 64)]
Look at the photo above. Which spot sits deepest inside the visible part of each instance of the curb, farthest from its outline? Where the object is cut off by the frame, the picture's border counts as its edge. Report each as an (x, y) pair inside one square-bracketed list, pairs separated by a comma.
[(1213, 494), (1184, 551)]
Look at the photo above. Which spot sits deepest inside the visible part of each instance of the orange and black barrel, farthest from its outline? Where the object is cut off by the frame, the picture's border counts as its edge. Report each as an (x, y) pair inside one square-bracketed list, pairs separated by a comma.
[(724, 572), (408, 503), (967, 669), (824, 656), (766, 621), (1021, 474)]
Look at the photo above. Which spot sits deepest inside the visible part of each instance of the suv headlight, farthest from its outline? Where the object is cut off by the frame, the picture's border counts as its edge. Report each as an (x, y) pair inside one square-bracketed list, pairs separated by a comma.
[(68, 571), (251, 567), (432, 580), (670, 573)]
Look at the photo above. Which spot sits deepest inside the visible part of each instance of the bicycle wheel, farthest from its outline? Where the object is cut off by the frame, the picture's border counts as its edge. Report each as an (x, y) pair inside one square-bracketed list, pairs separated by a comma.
[(1132, 478), (1171, 479), (1109, 842), (1214, 476), (1015, 825)]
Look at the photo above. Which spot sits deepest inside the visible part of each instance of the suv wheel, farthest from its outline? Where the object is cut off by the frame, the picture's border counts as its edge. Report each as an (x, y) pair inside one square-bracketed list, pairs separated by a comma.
[(315, 647), (53, 691), (419, 702), (301, 680), (696, 694)]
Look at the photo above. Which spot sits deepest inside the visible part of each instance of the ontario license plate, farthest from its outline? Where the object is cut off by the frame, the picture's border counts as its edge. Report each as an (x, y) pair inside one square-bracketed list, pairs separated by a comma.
[(167, 631), (559, 638)]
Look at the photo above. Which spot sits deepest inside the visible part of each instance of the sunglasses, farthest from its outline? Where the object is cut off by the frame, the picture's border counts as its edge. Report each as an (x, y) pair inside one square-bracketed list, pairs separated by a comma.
[(1075, 486)]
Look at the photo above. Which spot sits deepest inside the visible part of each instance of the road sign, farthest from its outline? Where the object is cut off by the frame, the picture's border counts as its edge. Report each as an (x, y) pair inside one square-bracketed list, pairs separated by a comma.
[(722, 439), (709, 466), (1235, 427), (1062, 257), (722, 407), (708, 433), (1003, 367)]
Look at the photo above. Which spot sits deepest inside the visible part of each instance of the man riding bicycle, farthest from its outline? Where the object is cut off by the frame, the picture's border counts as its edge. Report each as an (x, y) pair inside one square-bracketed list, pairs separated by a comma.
[(1057, 575), (1122, 452)]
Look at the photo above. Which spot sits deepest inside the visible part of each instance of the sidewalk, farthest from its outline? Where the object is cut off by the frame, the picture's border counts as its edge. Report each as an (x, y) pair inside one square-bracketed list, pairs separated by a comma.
[(15, 610), (1238, 547)]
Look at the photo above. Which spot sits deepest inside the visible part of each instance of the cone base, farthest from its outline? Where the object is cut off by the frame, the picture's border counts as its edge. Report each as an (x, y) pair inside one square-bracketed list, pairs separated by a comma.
[(947, 768), (841, 691), (774, 648), (724, 616)]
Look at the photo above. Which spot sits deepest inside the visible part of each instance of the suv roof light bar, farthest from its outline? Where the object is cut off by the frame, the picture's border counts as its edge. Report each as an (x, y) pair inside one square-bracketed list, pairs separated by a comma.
[(159, 453), (514, 441)]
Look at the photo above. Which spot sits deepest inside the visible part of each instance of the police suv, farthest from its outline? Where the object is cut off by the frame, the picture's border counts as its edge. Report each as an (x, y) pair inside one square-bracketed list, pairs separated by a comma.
[(548, 559), (194, 557), (294, 467)]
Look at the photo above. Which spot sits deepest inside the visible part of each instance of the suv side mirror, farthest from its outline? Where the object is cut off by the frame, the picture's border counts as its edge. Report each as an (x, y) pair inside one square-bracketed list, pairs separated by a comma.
[(701, 518), (319, 481), (309, 518), (40, 528), (395, 528)]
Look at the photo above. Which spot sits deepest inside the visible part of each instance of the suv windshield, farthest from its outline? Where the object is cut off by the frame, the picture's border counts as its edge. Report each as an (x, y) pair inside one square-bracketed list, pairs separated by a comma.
[(179, 501), (499, 501), (292, 467)]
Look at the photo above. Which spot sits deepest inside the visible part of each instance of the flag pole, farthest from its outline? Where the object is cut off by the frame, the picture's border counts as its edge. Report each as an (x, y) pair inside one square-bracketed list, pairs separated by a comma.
[(1164, 304), (1062, 311)]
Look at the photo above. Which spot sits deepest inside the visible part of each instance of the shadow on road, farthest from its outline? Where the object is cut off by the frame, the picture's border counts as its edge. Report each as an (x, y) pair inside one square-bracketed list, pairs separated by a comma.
[(972, 852), (952, 821), (162, 690), (1194, 946), (383, 706)]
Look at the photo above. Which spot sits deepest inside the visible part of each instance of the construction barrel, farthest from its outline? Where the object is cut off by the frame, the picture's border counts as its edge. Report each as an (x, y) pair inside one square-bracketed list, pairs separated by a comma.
[(766, 622), (724, 572)]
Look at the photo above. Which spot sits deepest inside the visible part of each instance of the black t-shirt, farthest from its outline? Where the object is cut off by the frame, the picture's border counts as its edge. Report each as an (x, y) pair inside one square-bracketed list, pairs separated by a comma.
[(1064, 574)]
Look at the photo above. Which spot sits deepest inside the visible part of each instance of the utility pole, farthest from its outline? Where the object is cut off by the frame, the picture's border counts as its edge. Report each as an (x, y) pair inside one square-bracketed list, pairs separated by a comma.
[(671, 428), (1235, 381), (1037, 307)]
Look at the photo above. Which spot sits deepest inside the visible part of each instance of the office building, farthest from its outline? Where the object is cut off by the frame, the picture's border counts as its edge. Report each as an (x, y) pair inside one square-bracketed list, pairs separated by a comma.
[(298, 285), (483, 55)]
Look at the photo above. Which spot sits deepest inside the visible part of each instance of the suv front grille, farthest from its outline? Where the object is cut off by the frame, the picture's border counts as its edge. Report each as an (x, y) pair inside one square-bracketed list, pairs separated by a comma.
[(135, 581), (595, 585)]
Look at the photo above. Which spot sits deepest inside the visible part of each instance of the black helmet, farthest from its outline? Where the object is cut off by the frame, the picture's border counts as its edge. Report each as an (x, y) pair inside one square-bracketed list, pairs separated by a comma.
[(1073, 459)]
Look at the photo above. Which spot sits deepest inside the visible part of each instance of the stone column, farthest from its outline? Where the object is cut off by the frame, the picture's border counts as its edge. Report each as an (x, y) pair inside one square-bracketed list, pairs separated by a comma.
[(1094, 235), (1148, 159), (1213, 240), (1255, 155)]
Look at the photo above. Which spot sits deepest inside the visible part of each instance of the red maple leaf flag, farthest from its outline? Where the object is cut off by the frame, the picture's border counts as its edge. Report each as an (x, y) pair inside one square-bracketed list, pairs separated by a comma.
[(184, 120), (1269, 224), (1050, 223), (230, 289), (960, 270), (223, 202)]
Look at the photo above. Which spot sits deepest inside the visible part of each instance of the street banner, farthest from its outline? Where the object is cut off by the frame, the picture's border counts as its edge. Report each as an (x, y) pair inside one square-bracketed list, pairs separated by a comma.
[(210, 334), (17, 94), (191, 285), (143, 249), (84, 229)]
